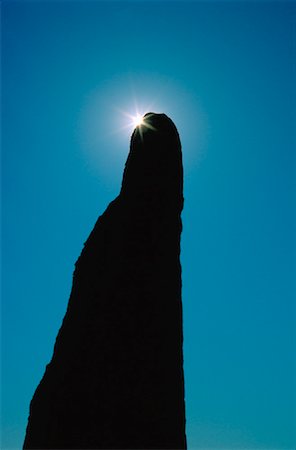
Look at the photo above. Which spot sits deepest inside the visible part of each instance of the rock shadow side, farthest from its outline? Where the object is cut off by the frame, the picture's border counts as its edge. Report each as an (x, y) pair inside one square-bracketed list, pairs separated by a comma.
[(115, 380)]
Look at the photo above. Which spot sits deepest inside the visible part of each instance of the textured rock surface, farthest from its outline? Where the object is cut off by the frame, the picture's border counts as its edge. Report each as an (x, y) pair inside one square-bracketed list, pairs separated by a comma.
[(116, 376)]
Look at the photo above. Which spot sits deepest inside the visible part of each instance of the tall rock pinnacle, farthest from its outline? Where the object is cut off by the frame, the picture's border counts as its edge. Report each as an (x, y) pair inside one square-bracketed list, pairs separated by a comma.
[(115, 380)]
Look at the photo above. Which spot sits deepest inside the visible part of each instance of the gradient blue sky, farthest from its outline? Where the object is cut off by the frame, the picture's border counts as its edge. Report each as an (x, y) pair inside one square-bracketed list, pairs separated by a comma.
[(225, 73)]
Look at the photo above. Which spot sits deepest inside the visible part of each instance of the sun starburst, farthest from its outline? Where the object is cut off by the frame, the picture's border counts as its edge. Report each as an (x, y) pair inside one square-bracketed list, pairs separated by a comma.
[(138, 120)]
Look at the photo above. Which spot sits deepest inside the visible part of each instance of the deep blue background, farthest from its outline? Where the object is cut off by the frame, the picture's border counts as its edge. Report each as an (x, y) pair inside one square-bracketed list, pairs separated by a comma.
[(225, 73)]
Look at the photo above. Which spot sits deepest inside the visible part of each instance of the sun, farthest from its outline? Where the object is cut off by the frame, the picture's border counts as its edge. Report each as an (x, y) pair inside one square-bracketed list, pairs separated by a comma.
[(138, 120)]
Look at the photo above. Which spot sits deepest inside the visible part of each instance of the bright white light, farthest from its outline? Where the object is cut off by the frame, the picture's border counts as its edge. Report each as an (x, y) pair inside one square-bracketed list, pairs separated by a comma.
[(115, 109), (138, 120)]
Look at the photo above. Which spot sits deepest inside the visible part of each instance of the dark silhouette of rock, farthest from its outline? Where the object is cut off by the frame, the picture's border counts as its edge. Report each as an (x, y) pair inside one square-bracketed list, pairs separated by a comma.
[(115, 380)]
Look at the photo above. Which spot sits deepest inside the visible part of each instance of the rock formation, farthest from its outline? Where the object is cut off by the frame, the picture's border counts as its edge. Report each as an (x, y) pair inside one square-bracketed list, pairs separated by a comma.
[(115, 380)]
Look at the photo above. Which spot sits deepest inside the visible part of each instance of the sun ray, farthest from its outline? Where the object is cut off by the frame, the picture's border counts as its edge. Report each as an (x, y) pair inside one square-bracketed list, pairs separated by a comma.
[(138, 120), (135, 120)]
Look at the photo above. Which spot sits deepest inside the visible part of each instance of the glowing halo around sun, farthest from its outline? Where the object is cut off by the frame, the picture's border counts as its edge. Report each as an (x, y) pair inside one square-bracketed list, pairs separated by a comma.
[(118, 109)]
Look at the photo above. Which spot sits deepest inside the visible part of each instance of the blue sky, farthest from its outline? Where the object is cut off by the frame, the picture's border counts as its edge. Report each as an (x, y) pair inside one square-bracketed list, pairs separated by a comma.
[(225, 73)]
